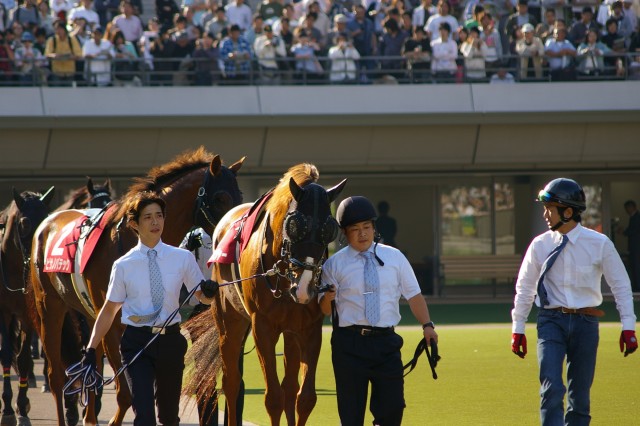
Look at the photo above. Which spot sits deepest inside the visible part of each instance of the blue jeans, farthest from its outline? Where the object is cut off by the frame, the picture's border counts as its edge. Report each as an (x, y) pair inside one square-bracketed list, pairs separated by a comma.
[(576, 338)]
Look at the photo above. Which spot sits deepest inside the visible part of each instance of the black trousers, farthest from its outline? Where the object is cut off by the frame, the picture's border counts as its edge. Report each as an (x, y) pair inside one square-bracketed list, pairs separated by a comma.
[(155, 378), (359, 360)]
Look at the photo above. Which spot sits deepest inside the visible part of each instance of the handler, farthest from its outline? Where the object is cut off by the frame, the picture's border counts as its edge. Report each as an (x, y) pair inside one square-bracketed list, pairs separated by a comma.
[(146, 283), (368, 281), (564, 267)]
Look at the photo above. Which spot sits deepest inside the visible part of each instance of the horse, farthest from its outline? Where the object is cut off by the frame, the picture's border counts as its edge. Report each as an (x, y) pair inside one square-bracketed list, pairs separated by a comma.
[(279, 268), (89, 196), (18, 222), (198, 190)]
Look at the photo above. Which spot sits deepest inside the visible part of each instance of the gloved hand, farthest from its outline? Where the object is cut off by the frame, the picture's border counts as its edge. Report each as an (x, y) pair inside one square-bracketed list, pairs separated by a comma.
[(519, 344), (209, 288), (89, 359), (628, 339)]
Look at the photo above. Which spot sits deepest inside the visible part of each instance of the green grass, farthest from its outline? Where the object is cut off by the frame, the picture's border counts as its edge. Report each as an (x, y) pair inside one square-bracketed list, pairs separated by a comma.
[(480, 381)]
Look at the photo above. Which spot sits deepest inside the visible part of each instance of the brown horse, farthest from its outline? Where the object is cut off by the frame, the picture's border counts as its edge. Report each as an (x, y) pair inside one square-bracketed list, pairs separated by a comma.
[(19, 222), (289, 240), (89, 196), (197, 189)]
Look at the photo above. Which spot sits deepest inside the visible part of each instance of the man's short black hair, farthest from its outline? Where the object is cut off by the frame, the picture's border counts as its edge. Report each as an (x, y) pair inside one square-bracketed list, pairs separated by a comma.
[(630, 203)]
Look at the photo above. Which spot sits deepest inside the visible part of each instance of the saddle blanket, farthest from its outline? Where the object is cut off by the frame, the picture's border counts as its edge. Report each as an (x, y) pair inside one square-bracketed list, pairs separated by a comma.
[(61, 250), (239, 233)]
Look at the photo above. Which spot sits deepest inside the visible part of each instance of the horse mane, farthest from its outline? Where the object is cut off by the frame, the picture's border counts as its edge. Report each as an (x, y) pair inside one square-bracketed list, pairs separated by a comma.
[(161, 176), (278, 205)]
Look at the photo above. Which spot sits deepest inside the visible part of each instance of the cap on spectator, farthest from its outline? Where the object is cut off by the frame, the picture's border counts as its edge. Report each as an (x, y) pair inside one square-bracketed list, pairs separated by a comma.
[(27, 36), (181, 35), (523, 2), (98, 29), (234, 27), (527, 28), (267, 28), (340, 19), (587, 9)]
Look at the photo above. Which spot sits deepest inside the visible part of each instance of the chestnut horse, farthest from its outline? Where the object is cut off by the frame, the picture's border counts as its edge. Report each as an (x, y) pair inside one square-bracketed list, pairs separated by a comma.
[(198, 190), (279, 270), (19, 222)]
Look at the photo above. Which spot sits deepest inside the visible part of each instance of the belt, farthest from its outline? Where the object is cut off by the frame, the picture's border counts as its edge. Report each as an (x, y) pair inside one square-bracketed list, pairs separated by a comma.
[(170, 329), (594, 312), (365, 330)]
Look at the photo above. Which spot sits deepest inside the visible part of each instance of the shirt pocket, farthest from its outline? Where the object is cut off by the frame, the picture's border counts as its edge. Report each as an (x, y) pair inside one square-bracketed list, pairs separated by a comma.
[(585, 275)]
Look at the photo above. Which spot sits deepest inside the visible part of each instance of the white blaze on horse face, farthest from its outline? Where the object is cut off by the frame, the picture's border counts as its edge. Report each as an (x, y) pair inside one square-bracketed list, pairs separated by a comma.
[(303, 288)]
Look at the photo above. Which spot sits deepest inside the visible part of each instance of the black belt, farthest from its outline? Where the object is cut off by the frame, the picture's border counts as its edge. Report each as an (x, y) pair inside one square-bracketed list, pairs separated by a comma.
[(170, 329), (367, 330)]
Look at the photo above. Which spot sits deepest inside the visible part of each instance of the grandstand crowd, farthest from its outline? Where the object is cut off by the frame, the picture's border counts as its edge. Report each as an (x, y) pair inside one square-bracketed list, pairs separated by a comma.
[(210, 42)]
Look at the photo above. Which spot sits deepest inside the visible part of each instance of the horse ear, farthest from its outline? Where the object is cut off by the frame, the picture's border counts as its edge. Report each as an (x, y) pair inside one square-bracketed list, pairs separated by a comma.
[(90, 187), (336, 190), (236, 166), (107, 184), (46, 198), (216, 166), (296, 191), (17, 198)]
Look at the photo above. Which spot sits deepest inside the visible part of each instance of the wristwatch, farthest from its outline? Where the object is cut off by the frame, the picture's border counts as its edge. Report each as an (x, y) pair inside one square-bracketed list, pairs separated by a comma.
[(428, 324)]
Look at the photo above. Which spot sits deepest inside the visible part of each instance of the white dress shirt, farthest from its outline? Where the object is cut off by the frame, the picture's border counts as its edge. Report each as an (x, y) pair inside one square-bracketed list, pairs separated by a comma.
[(129, 283), (574, 280), (345, 270)]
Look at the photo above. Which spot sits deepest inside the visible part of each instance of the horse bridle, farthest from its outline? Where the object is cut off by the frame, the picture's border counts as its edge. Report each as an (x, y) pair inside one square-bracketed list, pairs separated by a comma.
[(202, 204), (26, 258)]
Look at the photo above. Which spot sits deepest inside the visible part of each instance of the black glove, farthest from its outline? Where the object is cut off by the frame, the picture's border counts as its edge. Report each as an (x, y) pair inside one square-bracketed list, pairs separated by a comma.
[(194, 241), (89, 359), (209, 288)]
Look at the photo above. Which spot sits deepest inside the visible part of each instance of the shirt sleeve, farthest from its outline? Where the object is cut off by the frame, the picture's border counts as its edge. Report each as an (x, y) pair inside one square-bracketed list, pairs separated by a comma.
[(526, 289), (192, 273), (116, 292), (616, 276), (409, 286)]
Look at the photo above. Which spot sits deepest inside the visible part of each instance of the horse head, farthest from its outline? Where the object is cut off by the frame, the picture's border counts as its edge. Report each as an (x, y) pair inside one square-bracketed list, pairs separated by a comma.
[(99, 196), (308, 230), (32, 209), (218, 194)]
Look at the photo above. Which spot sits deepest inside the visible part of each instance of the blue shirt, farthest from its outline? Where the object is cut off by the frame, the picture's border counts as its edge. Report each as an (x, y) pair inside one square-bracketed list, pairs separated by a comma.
[(231, 66)]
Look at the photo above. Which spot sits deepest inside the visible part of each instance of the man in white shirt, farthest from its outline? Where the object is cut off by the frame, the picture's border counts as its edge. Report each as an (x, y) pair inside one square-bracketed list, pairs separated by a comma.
[(98, 53), (128, 23), (564, 267), (85, 11), (239, 14)]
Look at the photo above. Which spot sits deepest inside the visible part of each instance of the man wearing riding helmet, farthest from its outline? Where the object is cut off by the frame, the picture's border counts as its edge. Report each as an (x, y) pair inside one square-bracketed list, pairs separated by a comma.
[(564, 267), (366, 282)]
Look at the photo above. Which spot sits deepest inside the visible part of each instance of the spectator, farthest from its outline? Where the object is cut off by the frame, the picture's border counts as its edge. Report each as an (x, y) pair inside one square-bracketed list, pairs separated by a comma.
[(362, 34), (308, 69), (4, 17), (106, 10), (502, 76), (339, 27), (444, 55), (417, 51), (217, 24), (343, 61), (235, 53), (162, 49), (80, 30), (315, 36), (85, 11), (625, 28), (488, 6), (14, 35), (604, 12), (270, 10), (630, 15), (322, 22), (561, 54), (60, 8), (544, 30), (6, 59), (422, 13), (255, 31), (150, 35), (474, 20), (518, 19), (46, 18), (206, 58), (530, 49), (197, 10), (391, 44), (41, 39), (98, 53), (129, 23), (614, 41), (591, 55), (287, 12), (474, 51), (182, 53), (239, 14), (578, 31), (165, 11), (126, 64), (62, 51), (433, 23), (562, 9), (268, 48), (27, 15), (29, 61), (386, 225), (491, 38)]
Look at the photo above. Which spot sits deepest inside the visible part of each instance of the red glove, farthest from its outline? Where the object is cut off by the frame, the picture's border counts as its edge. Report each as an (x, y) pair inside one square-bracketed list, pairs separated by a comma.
[(628, 339), (519, 344)]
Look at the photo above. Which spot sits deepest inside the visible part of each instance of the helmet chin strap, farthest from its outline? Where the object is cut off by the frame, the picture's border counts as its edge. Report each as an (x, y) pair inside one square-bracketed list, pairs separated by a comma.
[(562, 220), (377, 238)]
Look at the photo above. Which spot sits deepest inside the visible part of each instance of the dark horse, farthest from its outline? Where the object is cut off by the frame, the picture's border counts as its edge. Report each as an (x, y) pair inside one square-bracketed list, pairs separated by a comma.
[(289, 239), (197, 189), (19, 222), (89, 196)]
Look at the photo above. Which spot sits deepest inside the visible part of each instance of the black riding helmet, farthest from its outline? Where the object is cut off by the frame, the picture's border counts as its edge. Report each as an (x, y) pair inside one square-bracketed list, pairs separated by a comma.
[(567, 193), (354, 210)]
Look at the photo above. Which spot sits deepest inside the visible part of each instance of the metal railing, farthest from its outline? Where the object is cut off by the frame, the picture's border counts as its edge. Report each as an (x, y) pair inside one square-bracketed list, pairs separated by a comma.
[(370, 70)]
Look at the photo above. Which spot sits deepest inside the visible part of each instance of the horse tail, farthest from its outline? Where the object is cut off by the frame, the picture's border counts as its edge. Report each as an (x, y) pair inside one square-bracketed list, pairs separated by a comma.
[(203, 360)]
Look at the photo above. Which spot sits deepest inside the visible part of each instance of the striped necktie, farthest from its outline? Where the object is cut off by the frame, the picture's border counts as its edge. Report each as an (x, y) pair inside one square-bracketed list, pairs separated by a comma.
[(548, 263), (371, 289)]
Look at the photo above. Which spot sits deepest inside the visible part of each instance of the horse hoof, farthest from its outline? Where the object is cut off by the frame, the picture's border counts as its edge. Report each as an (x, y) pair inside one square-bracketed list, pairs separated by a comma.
[(24, 421), (9, 420), (27, 408), (45, 389)]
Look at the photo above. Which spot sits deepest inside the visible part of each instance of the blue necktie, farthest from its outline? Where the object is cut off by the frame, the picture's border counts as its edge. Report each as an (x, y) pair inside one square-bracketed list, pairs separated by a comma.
[(548, 263), (371, 288), (156, 288)]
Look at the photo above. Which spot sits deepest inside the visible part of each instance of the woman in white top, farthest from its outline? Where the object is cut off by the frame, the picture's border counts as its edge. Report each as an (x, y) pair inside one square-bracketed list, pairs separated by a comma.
[(444, 52)]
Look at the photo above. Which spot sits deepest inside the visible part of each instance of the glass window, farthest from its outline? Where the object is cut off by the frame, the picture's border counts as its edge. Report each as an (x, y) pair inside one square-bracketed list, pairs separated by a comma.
[(592, 216), (466, 219), (505, 218)]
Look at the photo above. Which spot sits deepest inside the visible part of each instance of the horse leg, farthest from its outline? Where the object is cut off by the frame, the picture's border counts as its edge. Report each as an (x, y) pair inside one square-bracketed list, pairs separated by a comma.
[(91, 411), (25, 366), (310, 353), (290, 385), (8, 415), (45, 375), (265, 338), (111, 344)]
